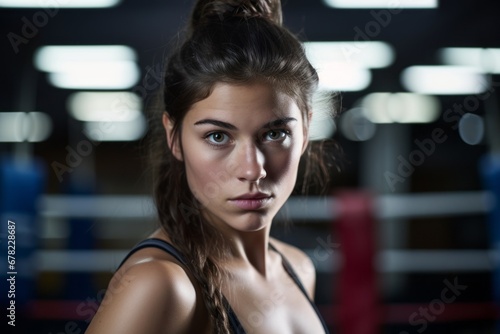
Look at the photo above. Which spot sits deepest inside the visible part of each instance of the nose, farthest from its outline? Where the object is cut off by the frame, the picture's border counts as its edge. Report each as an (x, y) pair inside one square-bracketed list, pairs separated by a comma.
[(250, 163)]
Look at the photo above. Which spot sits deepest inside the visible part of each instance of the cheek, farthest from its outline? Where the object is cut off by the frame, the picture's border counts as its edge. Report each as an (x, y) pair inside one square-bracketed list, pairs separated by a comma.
[(283, 167), (202, 167)]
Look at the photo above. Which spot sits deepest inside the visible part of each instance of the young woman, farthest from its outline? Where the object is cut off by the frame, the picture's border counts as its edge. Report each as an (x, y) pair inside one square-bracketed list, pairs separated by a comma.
[(237, 106)]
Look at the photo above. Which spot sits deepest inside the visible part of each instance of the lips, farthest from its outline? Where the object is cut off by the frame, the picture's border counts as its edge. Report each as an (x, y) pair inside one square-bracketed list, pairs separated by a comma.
[(251, 201)]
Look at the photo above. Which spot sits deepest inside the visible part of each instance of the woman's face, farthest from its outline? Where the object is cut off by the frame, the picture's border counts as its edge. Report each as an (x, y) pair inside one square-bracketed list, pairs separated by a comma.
[(241, 148)]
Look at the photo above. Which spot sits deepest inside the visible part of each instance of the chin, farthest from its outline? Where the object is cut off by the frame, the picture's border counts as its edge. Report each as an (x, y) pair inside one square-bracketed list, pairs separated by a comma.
[(251, 222)]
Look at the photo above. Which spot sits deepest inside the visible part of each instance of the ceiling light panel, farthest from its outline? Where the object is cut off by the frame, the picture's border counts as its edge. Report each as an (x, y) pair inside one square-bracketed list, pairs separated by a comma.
[(24, 126), (484, 59), (59, 3), (444, 80), (116, 131), (104, 106), (372, 54), (400, 108), (360, 4), (89, 67)]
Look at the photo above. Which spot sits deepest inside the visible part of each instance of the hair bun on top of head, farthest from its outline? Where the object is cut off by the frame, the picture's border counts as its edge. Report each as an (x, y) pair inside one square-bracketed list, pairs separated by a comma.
[(206, 10)]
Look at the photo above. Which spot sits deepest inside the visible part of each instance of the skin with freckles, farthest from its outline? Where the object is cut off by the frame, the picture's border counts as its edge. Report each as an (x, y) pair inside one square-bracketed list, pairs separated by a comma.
[(242, 140)]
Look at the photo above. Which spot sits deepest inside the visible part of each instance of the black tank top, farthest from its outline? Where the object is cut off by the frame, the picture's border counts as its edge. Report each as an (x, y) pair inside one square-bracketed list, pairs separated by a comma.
[(236, 326)]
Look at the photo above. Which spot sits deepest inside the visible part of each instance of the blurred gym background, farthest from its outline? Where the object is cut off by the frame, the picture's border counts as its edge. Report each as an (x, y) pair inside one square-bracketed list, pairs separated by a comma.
[(408, 238)]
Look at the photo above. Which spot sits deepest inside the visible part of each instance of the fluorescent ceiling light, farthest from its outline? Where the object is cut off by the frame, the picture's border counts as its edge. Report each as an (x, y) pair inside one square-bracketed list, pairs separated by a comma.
[(376, 107), (382, 3), (104, 106), (116, 131), (89, 67), (400, 108), (344, 65), (364, 54), (484, 59), (24, 126), (343, 77), (97, 76), (444, 80), (59, 3), (62, 58)]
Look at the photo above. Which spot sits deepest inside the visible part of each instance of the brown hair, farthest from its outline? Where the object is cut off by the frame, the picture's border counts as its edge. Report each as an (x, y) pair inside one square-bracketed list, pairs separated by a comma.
[(234, 42)]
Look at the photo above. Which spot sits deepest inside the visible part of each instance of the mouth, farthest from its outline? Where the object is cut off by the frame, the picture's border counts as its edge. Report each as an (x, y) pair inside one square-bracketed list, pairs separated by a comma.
[(251, 196), (251, 201)]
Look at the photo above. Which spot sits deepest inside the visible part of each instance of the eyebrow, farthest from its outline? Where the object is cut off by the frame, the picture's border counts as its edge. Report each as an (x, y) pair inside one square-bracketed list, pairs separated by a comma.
[(215, 122), (273, 124), (279, 122)]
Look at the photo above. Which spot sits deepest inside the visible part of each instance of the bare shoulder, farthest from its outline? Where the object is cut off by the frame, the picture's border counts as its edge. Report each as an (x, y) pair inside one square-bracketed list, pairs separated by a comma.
[(147, 295), (301, 263)]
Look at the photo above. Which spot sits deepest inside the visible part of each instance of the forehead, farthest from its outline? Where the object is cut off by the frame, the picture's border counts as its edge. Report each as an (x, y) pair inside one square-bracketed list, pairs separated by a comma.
[(245, 104)]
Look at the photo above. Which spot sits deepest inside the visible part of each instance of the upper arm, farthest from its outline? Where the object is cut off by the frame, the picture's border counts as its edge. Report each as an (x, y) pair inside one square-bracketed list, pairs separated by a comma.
[(148, 297), (302, 265)]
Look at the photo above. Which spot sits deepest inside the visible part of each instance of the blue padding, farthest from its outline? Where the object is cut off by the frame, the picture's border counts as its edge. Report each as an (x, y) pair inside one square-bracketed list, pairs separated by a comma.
[(490, 169), (21, 184)]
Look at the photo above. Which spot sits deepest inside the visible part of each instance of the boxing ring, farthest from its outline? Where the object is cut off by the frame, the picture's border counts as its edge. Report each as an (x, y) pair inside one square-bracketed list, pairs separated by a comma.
[(354, 258)]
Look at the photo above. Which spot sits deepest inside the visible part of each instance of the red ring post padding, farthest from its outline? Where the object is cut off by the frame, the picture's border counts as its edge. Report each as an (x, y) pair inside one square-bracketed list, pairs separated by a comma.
[(357, 291)]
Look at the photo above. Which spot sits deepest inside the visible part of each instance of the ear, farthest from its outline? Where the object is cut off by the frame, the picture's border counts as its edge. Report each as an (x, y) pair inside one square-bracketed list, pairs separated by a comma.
[(173, 143), (306, 132)]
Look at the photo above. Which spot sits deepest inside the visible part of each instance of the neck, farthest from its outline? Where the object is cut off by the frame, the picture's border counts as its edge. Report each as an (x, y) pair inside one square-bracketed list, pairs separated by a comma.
[(247, 250), (251, 249)]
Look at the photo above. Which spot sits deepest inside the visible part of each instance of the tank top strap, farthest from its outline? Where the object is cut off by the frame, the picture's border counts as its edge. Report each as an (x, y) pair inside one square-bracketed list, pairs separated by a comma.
[(170, 249), (156, 243)]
